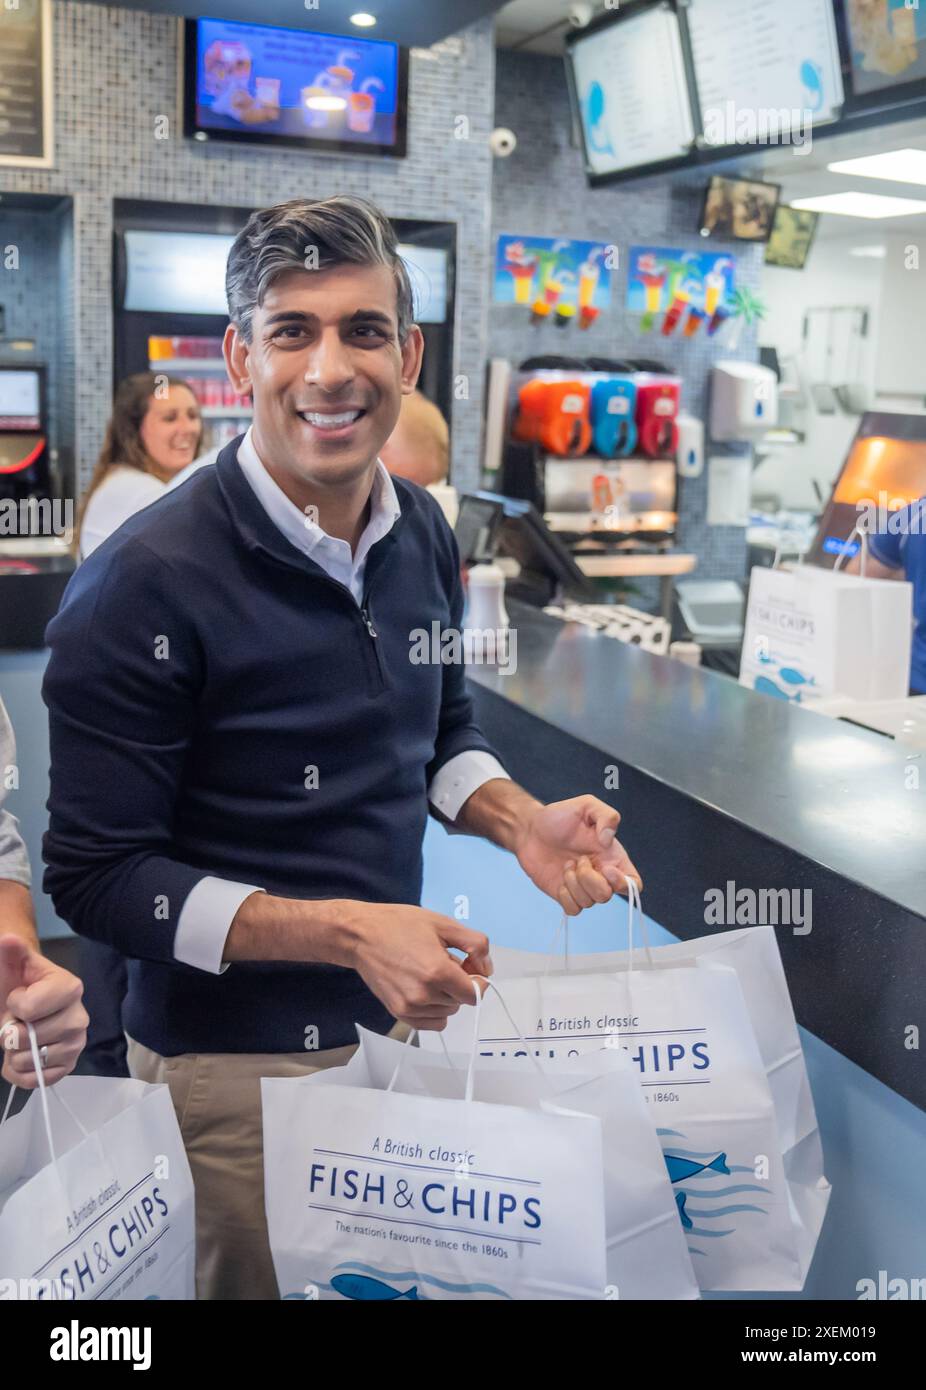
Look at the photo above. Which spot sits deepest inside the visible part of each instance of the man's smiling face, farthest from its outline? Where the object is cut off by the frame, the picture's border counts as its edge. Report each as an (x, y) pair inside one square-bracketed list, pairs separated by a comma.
[(327, 372)]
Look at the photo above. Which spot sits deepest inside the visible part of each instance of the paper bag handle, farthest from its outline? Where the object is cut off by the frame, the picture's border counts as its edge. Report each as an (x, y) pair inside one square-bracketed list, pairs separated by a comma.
[(633, 903), (43, 1094), (860, 531), (471, 1068)]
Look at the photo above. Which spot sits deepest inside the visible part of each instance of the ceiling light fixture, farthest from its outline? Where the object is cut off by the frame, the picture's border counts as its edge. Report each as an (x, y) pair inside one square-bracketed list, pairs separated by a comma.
[(895, 166), (875, 253), (363, 20), (855, 204)]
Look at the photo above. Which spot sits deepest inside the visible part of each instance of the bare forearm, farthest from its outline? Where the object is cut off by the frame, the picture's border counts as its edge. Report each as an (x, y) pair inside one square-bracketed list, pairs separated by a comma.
[(498, 811), (270, 928), (17, 914), (400, 952)]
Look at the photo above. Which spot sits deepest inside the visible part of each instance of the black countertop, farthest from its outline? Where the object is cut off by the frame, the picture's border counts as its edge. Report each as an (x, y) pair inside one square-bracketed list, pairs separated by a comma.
[(718, 783), (833, 792)]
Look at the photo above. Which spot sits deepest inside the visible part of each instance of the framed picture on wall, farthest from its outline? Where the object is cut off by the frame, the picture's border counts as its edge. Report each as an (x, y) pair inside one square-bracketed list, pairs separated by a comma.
[(27, 121)]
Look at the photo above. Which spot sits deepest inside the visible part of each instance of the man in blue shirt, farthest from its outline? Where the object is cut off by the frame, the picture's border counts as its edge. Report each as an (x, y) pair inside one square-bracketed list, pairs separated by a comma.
[(899, 552), (244, 747)]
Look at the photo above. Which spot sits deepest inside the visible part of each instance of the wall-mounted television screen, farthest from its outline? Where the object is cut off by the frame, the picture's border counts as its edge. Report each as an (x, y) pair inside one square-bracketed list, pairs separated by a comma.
[(791, 238), (739, 208), (254, 83), (887, 44)]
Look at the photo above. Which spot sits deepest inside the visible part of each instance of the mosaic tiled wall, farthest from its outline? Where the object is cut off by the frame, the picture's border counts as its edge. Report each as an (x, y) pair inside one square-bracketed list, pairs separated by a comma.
[(541, 190), (116, 73)]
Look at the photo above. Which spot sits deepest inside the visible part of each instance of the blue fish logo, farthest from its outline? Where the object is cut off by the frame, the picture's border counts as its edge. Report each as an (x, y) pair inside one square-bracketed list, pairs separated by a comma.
[(594, 108), (366, 1290), (680, 1199), (682, 1168), (767, 687), (812, 78)]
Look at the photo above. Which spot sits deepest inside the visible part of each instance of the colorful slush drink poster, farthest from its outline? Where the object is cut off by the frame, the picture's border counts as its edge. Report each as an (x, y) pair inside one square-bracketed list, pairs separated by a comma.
[(888, 41), (295, 84), (555, 271), (660, 276)]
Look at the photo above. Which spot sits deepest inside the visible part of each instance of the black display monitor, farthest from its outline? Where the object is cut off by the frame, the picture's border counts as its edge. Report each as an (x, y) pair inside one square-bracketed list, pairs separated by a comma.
[(792, 237), (742, 209), (271, 86), (476, 529), (548, 571), (884, 471), (884, 50)]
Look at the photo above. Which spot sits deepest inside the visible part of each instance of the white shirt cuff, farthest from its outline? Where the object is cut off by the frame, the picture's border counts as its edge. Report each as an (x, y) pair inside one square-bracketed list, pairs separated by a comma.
[(205, 921), (455, 782)]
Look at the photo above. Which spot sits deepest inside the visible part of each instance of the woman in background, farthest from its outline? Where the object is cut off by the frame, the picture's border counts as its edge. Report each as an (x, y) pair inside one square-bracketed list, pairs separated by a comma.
[(155, 431)]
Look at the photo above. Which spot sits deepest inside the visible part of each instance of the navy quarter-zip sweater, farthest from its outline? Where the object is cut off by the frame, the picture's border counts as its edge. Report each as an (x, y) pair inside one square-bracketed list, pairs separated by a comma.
[(201, 670)]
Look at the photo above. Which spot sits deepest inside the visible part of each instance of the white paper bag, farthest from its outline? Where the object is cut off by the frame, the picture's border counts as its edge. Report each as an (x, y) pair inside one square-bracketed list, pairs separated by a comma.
[(647, 1257), (376, 1195), (812, 633), (708, 1053), (113, 1216)]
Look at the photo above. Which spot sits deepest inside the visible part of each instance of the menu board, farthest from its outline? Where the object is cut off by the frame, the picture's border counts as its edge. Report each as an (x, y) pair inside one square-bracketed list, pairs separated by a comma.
[(25, 83), (755, 61), (427, 271), (632, 93), (888, 43), (176, 272)]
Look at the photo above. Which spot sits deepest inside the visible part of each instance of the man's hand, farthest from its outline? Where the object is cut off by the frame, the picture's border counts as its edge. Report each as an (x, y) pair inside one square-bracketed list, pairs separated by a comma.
[(35, 990), (401, 954), (570, 851)]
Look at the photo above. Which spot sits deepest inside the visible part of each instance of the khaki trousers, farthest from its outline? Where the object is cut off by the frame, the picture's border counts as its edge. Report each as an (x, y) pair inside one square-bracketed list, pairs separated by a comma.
[(216, 1096)]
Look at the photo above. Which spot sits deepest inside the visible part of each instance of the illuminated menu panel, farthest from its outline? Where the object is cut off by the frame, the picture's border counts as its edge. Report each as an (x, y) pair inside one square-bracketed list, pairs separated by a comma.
[(632, 93), (771, 68)]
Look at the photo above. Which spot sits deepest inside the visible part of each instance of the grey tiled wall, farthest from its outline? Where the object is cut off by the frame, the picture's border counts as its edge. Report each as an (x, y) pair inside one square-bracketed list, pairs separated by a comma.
[(116, 71), (541, 190)]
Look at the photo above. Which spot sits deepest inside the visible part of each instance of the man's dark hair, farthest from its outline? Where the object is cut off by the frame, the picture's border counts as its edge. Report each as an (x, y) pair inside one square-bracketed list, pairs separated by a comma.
[(302, 235)]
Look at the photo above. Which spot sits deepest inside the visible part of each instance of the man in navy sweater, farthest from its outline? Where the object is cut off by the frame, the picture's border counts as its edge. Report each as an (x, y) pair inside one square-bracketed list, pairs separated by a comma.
[(243, 751)]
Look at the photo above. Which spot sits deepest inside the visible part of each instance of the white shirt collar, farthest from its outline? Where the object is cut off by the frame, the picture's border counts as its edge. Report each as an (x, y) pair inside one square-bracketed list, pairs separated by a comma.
[(307, 536)]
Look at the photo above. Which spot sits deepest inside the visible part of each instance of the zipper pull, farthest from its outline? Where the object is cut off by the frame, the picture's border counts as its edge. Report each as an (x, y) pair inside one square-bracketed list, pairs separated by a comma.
[(366, 618)]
